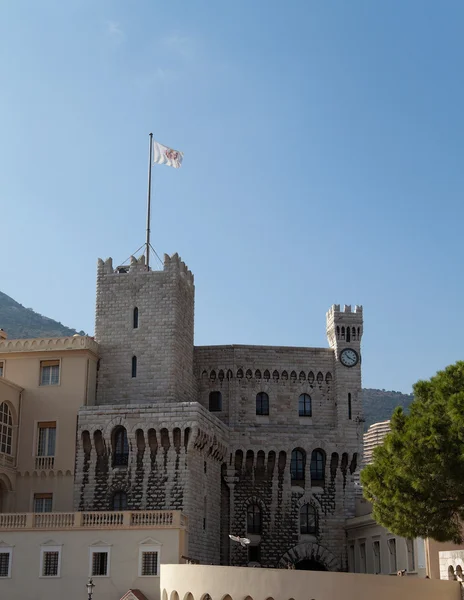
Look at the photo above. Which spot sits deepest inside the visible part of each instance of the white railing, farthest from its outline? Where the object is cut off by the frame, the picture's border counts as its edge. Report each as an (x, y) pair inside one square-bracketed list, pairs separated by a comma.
[(153, 519), (53, 520), (162, 519), (102, 519), (44, 463)]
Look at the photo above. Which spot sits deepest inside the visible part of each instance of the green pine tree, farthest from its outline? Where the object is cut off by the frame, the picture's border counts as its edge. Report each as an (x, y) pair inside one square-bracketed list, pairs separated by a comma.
[(416, 480)]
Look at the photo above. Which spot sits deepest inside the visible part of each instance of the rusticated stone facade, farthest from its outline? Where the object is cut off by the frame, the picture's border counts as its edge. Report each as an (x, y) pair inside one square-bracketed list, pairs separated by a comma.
[(221, 432)]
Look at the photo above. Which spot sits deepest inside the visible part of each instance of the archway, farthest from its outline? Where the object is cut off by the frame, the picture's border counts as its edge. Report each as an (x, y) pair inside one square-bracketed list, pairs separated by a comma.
[(309, 564), (309, 554)]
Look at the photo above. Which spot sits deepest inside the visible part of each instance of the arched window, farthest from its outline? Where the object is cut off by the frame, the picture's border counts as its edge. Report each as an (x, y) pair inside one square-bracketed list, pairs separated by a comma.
[(338, 332), (135, 319), (120, 501), (348, 334), (317, 468), (262, 403), (254, 521), (6, 429), (304, 405), (343, 333), (120, 448), (308, 520), (297, 465), (353, 333), (134, 366), (215, 401)]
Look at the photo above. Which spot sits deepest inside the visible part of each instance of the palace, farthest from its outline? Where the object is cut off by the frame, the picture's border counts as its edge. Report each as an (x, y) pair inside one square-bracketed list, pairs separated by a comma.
[(262, 442)]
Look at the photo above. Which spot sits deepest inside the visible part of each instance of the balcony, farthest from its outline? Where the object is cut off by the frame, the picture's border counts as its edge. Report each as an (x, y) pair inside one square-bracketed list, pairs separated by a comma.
[(143, 519), (44, 463)]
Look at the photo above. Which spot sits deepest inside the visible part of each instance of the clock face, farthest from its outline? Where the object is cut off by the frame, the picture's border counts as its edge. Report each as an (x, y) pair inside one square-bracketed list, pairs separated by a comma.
[(349, 357)]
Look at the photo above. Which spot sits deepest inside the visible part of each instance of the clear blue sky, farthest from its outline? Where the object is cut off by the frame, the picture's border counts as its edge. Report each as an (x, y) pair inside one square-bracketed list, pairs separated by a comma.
[(323, 164)]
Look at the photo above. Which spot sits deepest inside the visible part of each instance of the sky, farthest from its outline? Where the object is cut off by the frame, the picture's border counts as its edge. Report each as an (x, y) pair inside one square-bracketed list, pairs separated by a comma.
[(323, 163)]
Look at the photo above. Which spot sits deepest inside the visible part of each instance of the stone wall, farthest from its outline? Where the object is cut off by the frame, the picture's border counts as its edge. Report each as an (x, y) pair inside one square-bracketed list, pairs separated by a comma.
[(162, 342), (175, 457)]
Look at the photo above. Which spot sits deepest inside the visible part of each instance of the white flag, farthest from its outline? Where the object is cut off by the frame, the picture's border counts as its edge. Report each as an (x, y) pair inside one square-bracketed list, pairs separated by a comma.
[(162, 155)]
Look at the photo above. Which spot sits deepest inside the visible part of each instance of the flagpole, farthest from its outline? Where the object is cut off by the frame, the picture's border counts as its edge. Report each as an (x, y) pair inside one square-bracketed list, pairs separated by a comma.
[(150, 160)]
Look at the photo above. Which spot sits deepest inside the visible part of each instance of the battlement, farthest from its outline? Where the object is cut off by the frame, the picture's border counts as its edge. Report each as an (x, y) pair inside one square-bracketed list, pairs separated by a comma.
[(172, 265), (335, 309), (175, 264)]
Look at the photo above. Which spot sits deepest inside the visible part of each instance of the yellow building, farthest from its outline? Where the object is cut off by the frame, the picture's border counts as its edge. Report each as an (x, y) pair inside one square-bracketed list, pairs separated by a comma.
[(43, 383)]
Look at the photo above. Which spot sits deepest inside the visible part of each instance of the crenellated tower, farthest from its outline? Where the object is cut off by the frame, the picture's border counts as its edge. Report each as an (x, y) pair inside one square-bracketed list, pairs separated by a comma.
[(144, 326), (344, 332)]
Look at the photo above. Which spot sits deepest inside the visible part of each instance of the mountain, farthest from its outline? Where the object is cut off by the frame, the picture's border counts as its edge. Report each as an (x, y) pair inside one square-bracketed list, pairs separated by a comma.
[(21, 322), (380, 404)]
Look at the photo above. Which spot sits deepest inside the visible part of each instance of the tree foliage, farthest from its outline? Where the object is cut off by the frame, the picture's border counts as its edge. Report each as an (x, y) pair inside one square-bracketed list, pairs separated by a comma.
[(416, 480)]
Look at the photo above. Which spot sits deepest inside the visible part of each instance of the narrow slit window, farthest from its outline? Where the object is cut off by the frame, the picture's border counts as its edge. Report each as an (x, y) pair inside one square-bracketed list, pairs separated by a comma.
[(136, 318), (134, 366)]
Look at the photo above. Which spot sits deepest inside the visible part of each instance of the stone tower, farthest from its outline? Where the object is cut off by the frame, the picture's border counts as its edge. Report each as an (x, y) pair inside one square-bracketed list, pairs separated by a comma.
[(144, 326), (344, 332)]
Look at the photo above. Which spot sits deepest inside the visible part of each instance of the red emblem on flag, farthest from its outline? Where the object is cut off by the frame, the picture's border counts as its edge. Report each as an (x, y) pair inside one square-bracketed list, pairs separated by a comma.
[(172, 154)]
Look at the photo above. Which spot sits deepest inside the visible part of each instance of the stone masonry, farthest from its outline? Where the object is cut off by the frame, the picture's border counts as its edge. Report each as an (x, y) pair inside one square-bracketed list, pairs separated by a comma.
[(194, 439)]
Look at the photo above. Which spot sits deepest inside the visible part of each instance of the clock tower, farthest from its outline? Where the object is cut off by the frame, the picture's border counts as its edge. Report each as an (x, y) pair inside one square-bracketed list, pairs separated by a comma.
[(344, 332)]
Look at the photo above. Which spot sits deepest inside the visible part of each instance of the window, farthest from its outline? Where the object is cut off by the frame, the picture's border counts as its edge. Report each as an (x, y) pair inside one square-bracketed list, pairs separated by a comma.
[(46, 438), (254, 554), (49, 372), (5, 561), (297, 466), (215, 401), (262, 403), (149, 559), (308, 520), (43, 503), (317, 468), (50, 561), (2, 366), (411, 555), (120, 501), (135, 318), (377, 564), (392, 551), (120, 448), (149, 564), (304, 405), (351, 562), (99, 562), (362, 557), (205, 509), (254, 521), (6, 428), (349, 407), (134, 366)]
